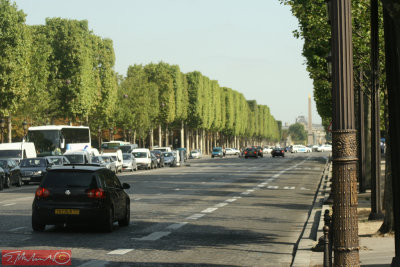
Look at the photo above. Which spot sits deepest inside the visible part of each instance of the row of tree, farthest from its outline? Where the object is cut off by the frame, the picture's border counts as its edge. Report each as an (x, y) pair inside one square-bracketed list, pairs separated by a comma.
[(61, 70)]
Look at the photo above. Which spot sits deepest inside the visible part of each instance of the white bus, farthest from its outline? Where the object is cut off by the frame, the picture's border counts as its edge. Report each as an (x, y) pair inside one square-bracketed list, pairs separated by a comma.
[(57, 139)]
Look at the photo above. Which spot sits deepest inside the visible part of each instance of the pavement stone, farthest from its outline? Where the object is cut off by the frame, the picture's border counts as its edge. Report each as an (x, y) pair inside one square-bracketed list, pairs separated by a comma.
[(375, 251)]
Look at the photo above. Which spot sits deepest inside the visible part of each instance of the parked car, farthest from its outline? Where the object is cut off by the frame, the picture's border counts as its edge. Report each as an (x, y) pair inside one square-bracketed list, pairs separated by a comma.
[(325, 148), (251, 152), (154, 162), (58, 160), (278, 151), (2, 178), (12, 173), (143, 158), (34, 169), (81, 195), (169, 159), (231, 151), (185, 155), (110, 163), (160, 157), (129, 162), (300, 148), (116, 154), (128, 148), (99, 161), (217, 152), (195, 154), (163, 148)]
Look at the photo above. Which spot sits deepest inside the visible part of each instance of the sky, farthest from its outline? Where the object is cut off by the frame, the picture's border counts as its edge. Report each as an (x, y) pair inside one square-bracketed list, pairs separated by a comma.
[(246, 45)]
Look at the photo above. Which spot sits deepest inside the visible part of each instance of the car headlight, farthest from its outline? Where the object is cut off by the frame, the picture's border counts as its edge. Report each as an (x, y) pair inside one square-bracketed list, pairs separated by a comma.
[(37, 173)]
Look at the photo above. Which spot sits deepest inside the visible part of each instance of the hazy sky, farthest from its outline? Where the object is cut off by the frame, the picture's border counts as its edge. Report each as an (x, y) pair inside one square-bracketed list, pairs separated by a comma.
[(245, 45)]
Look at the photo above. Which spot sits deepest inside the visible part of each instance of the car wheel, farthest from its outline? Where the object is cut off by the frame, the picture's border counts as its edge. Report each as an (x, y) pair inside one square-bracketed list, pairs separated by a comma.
[(37, 226), (125, 221), (7, 184), (19, 183), (108, 224)]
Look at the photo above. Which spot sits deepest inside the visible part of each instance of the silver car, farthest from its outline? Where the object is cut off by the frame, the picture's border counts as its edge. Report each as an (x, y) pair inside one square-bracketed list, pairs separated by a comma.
[(129, 162), (110, 163), (195, 154)]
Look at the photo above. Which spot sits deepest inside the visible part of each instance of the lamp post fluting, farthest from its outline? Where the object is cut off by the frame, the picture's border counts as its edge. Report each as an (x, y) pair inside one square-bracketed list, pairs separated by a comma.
[(344, 154)]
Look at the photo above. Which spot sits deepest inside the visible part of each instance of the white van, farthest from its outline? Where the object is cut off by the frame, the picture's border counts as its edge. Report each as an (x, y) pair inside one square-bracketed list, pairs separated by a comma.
[(78, 157), (143, 157), (18, 151), (116, 154)]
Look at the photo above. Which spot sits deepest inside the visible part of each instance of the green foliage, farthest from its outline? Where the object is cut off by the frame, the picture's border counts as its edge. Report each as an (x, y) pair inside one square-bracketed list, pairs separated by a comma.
[(298, 132), (14, 58)]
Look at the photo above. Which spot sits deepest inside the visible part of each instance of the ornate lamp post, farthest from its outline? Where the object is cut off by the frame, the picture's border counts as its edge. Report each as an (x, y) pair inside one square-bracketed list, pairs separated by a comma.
[(344, 154), (2, 124), (25, 127)]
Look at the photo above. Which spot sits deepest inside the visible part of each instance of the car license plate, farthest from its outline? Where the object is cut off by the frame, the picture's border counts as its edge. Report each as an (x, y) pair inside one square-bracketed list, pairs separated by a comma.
[(66, 211)]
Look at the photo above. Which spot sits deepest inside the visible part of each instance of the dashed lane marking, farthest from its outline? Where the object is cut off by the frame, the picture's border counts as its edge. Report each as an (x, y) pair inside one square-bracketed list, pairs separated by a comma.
[(16, 229), (209, 210), (137, 199), (231, 200), (246, 193), (119, 251), (153, 236), (273, 187), (10, 204), (289, 187), (261, 185), (175, 226), (195, 216)]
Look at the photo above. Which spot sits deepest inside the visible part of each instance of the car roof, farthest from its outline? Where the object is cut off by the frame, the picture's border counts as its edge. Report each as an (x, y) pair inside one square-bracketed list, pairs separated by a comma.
[(70, 167)]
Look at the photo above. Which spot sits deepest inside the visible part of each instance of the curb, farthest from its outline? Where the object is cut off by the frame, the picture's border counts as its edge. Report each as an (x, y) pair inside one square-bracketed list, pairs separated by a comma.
[(311, 232)]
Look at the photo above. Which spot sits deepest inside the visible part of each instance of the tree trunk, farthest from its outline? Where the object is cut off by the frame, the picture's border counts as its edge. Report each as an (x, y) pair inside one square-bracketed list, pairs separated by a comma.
[(201, 141), (187, 138), (388, 222), (159, 135), (367, 141), (197, 140), (166, 135), (182, 135), (151, 139), (9, 126), (134, 137)]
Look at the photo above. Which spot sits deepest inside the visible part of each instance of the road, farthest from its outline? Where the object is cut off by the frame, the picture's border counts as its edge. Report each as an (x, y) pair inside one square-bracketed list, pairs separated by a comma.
[(215, 212)]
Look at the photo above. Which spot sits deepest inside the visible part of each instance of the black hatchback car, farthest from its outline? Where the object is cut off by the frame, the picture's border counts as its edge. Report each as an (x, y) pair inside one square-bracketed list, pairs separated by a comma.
[(81, 195), (250, 152), (278, 151)]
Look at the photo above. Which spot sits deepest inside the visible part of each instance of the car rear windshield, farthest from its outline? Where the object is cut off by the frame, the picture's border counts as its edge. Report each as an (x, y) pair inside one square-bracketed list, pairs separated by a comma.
[(65, 179), (217, 149), (33, 163), (140, 154)]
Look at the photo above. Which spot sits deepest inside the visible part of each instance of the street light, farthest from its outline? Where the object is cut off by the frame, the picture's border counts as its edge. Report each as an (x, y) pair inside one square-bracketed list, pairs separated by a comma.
[(2, 128), (25, 127)]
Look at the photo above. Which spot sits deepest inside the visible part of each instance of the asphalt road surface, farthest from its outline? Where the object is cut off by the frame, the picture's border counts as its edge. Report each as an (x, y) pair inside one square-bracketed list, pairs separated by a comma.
[(215, 212)]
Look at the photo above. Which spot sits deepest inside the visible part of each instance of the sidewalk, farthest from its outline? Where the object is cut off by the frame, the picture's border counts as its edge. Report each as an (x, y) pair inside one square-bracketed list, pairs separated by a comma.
[(374, 250)]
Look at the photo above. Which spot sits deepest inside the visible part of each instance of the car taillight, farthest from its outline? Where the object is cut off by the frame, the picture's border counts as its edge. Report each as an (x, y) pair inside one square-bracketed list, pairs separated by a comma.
[(282, 151), (42, 192), (245, 152), (96, 193), (255, 152)]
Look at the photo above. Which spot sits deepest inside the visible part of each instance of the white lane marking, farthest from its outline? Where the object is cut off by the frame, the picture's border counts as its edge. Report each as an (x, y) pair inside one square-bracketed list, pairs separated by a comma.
[(245, 193), (177, 189), (209, 210), (273, 187), (261, 185), (195, 216), (231, 200), (16, 229), (250, 190), (153, 236), (289, 187), (220, 205), (119, 251), (276, 175), (175, 226), (10, 204), (203, 182), (136, 199), (237, 197)]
